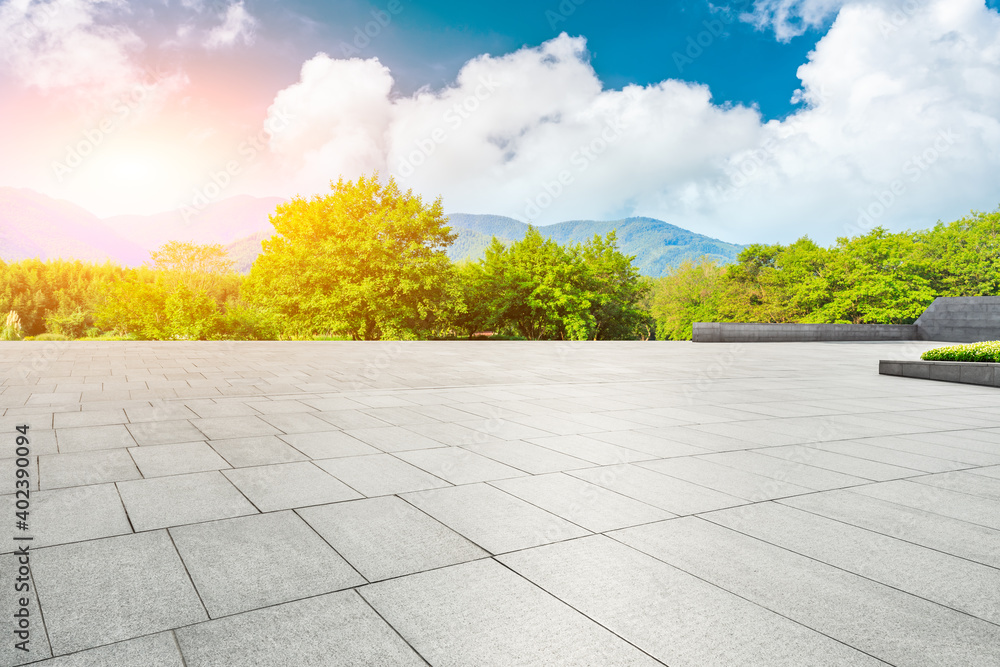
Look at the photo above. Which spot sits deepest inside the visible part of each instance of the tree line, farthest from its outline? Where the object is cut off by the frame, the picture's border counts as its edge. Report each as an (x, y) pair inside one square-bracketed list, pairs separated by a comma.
[(368, 261)]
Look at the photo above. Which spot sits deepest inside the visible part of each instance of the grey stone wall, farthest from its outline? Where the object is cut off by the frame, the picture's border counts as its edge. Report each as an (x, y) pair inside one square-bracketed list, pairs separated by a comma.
[(730, 332), (964, 319), (966, 372)]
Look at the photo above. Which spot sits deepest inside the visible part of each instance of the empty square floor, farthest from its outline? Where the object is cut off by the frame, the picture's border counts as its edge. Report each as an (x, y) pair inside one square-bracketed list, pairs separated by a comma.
[(495, 503)]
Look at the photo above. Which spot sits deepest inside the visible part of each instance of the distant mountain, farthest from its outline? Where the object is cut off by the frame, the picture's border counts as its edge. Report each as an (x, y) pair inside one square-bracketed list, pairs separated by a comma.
[(33, 225), (223, 222), (657, 245)]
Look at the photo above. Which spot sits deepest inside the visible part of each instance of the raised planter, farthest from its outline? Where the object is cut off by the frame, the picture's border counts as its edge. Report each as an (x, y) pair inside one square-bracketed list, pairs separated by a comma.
[(964, 372)]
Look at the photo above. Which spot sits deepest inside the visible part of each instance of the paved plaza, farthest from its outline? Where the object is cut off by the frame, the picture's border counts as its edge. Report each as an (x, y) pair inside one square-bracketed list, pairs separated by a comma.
[(498, 503)]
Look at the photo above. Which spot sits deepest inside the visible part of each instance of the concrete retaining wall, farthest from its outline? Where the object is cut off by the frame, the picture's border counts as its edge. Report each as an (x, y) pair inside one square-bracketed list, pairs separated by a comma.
[(730, 332), (965, 372), (965, 319)]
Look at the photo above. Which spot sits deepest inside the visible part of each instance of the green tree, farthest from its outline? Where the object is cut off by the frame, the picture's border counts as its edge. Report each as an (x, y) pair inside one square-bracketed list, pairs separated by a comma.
[(963, 257), (687, 294), (615, 289), (878, 278), (367, 261)]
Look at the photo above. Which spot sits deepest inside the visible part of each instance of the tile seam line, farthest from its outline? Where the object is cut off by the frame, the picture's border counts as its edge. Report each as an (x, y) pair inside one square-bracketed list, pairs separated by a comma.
[(879, 532), (846, 571), (753, 602)]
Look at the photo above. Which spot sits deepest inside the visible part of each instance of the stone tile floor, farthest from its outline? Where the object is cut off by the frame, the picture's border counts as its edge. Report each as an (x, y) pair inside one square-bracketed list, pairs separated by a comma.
[(499, 504)]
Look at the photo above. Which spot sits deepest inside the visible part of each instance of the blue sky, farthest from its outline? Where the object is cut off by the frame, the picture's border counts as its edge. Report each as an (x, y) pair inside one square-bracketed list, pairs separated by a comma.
[(635, 42)]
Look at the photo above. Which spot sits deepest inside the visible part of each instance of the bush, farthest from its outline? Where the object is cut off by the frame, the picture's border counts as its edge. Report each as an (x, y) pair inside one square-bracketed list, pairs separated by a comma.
[(51, 336), (986, 352)]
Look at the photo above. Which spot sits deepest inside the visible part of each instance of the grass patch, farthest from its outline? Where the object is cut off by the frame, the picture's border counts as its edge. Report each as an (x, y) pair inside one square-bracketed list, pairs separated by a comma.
[(986, 352)]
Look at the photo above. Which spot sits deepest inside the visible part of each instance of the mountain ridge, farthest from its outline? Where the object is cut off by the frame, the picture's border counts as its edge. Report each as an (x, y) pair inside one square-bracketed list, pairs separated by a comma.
[(35, 225)]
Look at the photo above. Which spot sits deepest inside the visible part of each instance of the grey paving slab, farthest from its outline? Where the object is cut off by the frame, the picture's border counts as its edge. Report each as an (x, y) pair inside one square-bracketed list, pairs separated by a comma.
[(210, 409), (258, 561), (992, 471), (964, 482), (69, 515), (849, 465), (493, 519), (177, 459), (164, 432), (451, 434), (380, 475), (393, 438), (89, 438), (728, 480), (11, 596), (9, 471), (298, 423), (443, 616), (84, 468), (672, 615), (350, 419), (948, 580), (328, 445), (224, 428), (180, 499), (818, 479), (159, 650), (40, 441), (864, 450), (669, 493), (974, 509), (533, 459), (387, 537), (956, 454), (498, 427), (587, 505), (98, 592), (282, 407), (256, 451), (89, 418), (648, 443), (589, 449), (458, 465), (160, 411), (338, 629), (287, 485), (948, 535), (839, 604)]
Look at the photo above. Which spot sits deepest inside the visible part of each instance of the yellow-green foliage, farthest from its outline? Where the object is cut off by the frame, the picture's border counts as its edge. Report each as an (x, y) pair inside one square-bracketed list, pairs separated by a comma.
[(988, 351)]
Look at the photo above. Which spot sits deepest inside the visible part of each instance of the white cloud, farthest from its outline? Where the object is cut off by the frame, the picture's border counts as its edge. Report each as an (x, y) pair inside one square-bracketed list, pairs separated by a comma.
[(238, 25), (63, 44), (900, 123), (791, 18)]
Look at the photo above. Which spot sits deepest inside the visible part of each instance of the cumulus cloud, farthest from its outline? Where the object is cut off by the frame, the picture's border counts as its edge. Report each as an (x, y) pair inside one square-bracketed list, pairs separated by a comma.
[(63, 44), (899, 125), (238, 25)]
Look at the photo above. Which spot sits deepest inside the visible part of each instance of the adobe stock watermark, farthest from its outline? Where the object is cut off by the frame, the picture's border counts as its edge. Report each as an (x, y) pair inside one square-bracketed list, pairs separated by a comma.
[(220, 180), (29, 27), (562, 12), (124, 107), (582, 158), (912, 170), (715, 28), (453, 119), (363, 35), (901, 14)]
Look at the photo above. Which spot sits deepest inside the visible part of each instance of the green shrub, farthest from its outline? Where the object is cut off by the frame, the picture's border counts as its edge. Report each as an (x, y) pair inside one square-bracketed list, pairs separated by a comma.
[(988, 352), (52, 336)]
